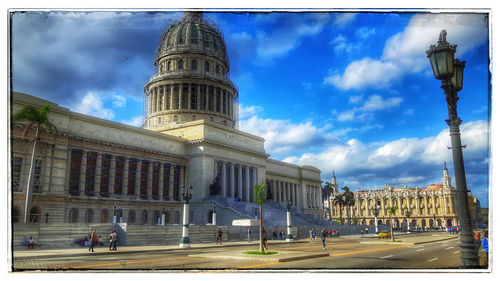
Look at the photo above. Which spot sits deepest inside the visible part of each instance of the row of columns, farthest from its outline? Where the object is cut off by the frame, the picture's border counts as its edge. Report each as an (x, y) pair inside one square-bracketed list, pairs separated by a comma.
[(240, 182), (285, 191), (162, 98), (125, 176), (313, 197)]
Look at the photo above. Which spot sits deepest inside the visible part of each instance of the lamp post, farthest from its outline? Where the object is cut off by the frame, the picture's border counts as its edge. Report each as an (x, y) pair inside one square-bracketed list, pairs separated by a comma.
[(46, 217), (408, 215), (434, 222), (163, 216), (214, 216), (289, 236), (375, 214), (187, 194), (450, 72), (114, 214)]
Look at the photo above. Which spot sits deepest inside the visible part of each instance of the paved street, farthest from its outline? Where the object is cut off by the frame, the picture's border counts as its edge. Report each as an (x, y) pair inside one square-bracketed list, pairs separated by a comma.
[(414, 251)]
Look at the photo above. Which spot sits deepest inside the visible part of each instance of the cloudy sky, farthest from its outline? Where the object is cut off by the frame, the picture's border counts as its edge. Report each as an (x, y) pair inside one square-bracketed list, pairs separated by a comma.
[(350, 92)]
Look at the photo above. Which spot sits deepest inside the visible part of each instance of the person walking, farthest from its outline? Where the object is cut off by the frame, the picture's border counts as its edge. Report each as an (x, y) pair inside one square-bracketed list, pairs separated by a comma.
[(485, 242), (264, 238), (249, 235), (362, 234), (323, 237), (219, 236), (110, 240), (115, 240), (93, 240)]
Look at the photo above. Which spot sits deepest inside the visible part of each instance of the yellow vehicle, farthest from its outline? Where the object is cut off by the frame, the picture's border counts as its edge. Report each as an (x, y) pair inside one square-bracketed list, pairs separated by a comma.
[(384, 234)]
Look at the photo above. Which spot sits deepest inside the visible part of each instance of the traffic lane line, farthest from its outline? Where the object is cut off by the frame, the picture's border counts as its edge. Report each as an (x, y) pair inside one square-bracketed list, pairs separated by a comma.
[(317, 246), (389, 256), (432, 259), (119, 263)]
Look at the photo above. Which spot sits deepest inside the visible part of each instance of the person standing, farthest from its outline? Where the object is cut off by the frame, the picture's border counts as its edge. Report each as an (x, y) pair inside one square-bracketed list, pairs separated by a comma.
[(93, 240), (110, 240), (311, 234), (323, 237), (264, 238), (249, 234), (115, 240), (362, 234), (219, 236)]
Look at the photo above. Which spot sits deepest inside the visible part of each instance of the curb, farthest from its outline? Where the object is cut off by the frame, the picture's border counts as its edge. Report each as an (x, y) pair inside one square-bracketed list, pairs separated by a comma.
[(425, 242), (303, 257)]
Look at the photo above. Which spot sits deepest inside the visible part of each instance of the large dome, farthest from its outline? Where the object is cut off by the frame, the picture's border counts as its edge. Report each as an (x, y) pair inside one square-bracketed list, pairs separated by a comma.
[(190, 81), (195, 34)]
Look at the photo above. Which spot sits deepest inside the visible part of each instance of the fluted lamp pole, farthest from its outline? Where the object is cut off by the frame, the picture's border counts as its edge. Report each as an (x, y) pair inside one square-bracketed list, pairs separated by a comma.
[(450, 71), (187, 194), (375, 214), (289, 236)]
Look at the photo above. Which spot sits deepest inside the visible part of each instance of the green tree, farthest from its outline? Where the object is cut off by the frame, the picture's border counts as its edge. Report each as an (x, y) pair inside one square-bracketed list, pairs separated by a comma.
[(392, 212), (348, 201), (39, 119), (260, 198), (325, 194), (339, 200)]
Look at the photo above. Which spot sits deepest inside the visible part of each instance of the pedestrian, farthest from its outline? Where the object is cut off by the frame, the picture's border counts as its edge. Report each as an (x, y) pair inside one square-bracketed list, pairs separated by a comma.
[(323, 237), (264, 238), (115, 240), (485, 242), (314, 234), (477, 235), (362, 234), (219, 236), (249, 234), (330, 233), (31, 243), (333, 232), (282, 235), (93, 240), (110, 240), (366, 230), (311, 234)]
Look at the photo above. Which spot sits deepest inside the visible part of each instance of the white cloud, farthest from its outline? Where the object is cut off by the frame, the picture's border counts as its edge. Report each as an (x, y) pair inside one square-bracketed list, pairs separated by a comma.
[(404, 52), (134, 121), (344, 18), (363, 112), (119, 101), (249, 111), (91, 104), (364, 32)]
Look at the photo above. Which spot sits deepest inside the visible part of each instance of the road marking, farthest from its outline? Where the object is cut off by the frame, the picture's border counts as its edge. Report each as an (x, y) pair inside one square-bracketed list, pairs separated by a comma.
[(432, 259), (386, 257), (112, 258), (456, 252), (450, 248), (120, 263), (419, 250)]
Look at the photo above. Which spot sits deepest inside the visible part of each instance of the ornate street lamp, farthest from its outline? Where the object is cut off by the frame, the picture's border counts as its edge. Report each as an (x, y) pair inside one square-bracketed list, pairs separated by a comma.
[(187, 194), (214, 216), (289, 236), (450, 72), (375, 212), (408, 215)]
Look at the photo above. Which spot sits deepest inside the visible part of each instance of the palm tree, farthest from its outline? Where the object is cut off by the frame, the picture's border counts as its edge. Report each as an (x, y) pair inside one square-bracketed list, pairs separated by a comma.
[(348, 201), (339, 200), (39, 119), (392, 211), (326, 192), (260, 198)]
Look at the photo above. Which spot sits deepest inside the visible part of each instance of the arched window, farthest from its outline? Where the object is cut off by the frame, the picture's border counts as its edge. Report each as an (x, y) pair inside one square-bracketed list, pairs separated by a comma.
[(194, 65), (181, 64), (144, 217), (169, 65), (131, 217), (89, 214), (73, 215), (207, 66)]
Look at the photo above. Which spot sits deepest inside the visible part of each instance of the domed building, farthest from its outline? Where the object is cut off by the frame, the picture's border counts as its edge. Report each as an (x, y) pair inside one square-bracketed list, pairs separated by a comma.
[(190, 81), (93, 170)]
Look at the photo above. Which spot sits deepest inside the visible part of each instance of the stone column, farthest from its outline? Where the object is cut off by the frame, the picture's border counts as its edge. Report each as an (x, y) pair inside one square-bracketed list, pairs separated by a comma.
[(171, 96), (215, 168), (150, 180), (156, 99), (181, 93), (223, 178), (125, 176), (221, 102), (171, 183), (189, 96), (112, 175), (255, 170), (426, 205), (207, 103), (181, 177), (247, 183), (240, 182), (275, 191), (97, 183), (138, 178), (231, 180), (160, 181), (83, 172)]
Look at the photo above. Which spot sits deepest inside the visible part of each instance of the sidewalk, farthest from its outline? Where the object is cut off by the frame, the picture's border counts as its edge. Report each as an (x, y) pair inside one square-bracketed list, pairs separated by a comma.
[(83, 251)]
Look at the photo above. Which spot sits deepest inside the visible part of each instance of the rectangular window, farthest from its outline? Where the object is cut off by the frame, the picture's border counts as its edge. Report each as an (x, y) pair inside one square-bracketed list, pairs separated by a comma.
[(144, 179), (177, 177), (119, 166), (203, 98), (90, 173), (166, 181), (132, 171), (211, 98), (17, 164), (105, 170), (74, 171), (156, 178), (217, 102), (193, 96), (37, 176)]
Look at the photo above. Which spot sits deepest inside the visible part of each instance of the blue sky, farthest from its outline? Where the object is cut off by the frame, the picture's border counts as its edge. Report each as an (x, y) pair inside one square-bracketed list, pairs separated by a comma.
[(350, 92)]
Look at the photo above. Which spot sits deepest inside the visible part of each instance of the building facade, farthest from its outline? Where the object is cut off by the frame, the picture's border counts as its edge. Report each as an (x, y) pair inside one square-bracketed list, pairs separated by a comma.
[(96, 171), (433, 206)]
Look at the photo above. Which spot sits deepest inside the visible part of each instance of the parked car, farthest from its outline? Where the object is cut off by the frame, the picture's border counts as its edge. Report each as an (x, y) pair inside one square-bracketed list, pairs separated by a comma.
[(384, 234)]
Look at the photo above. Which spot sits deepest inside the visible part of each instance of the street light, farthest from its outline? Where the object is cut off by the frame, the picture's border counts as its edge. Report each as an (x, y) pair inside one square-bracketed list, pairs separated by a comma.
[(408, 215), (214, 216), (289, 236), (450, 72), (187, 194), (375, 212)]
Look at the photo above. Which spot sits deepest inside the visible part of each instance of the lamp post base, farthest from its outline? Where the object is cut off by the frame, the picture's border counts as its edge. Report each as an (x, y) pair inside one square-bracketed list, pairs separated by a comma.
[(289, 238), (185, 243)]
